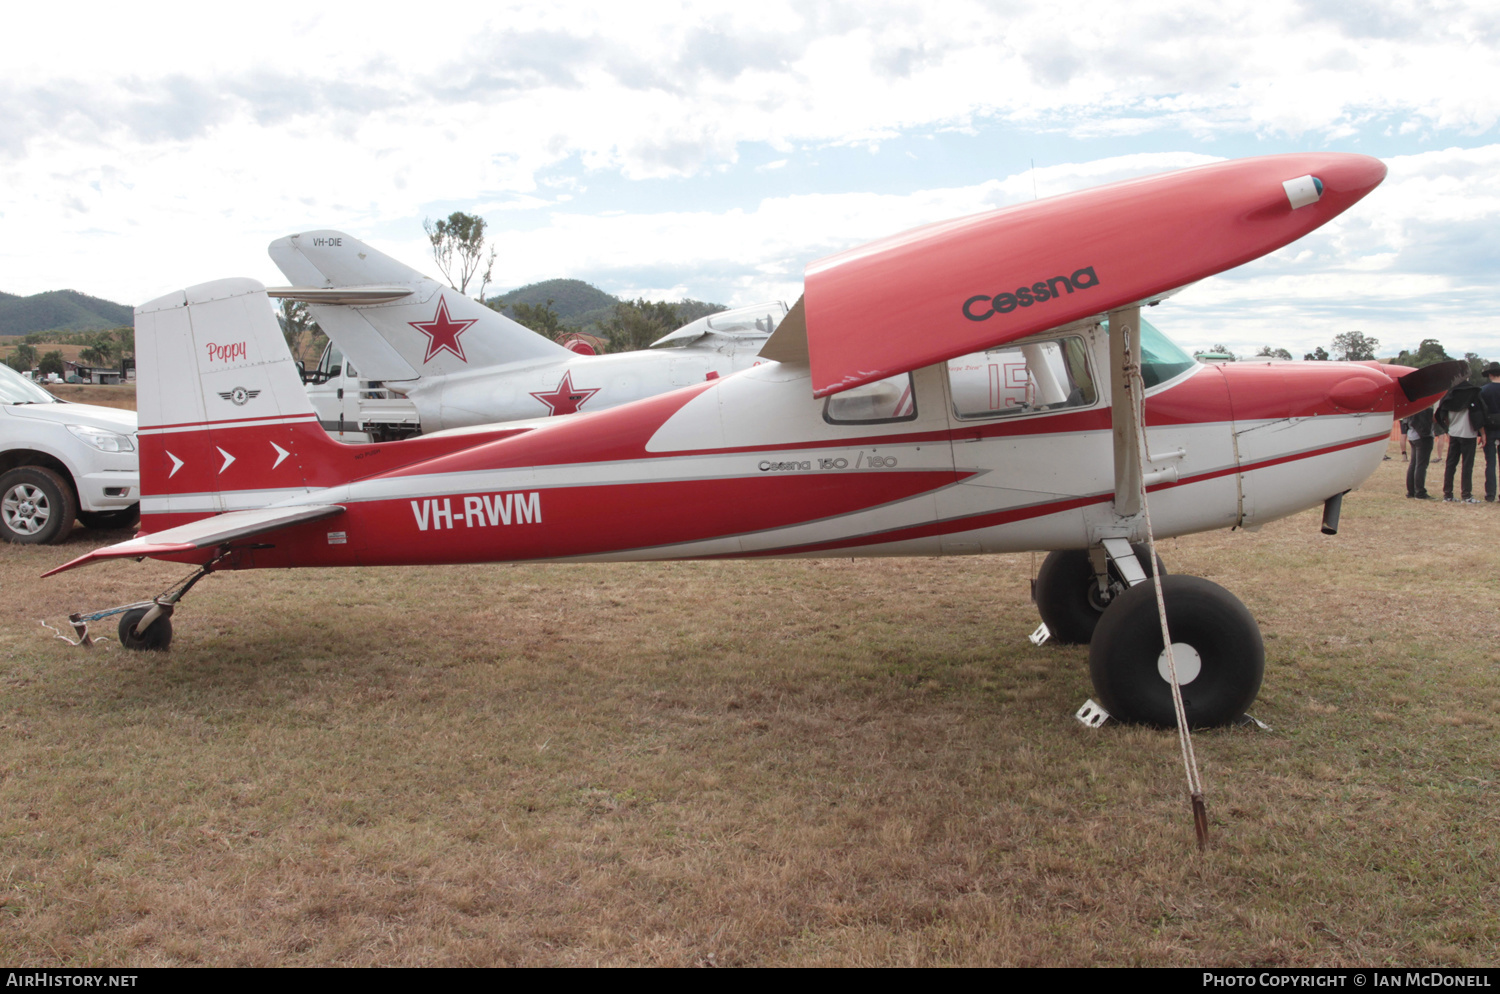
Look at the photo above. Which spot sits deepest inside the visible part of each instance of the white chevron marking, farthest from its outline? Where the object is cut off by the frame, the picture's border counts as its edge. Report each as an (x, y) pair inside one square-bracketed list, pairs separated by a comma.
[(281, 454), (227, 459), (176, 465)]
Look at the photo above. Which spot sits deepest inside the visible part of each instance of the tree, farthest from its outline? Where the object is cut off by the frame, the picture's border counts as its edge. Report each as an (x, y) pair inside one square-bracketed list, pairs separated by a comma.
[(52, 362), (1270, 353), (1319, 354), (302, 333), (1220, 351), (636, 324), (458, 246), (100, 349), (540, 318), (23, 358), (1429, 352), (1476, 368), (1354, 346), (126, 338)]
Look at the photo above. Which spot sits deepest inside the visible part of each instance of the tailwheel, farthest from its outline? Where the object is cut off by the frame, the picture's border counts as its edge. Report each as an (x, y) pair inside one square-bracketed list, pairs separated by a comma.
[(155, 637), (1216, 643), (1068, 596)]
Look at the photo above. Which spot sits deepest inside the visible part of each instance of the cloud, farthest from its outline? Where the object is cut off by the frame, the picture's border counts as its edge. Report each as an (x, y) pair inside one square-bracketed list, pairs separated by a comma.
[(719, 75), (151, 153)]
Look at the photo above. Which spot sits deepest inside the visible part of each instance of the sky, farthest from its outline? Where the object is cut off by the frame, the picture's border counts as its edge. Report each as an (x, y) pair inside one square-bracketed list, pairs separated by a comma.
[(713, 150)]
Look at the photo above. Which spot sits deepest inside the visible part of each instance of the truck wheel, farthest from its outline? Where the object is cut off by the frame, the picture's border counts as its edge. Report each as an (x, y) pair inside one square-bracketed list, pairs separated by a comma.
[(36, 506), (155, 639), (109, 520)]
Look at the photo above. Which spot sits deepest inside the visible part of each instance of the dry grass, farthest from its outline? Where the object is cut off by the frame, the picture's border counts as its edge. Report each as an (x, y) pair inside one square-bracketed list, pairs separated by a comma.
[(120, 395), (755, 763)]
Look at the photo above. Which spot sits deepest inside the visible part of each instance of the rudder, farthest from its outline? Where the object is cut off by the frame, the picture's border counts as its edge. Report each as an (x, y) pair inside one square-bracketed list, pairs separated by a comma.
[(225, 423)]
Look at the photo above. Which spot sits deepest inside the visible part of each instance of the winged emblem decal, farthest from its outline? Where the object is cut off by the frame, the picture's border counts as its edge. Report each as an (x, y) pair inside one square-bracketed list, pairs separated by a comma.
[(239, 396)]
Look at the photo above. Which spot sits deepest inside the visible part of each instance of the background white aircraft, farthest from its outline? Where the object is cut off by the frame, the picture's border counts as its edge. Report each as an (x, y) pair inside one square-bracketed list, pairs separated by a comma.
[(410, 355)]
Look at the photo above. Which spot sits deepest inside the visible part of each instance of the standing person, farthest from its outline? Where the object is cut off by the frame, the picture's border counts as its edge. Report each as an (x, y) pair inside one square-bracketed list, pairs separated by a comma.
[(1489, 396), (1419, 440), (1463, 415)]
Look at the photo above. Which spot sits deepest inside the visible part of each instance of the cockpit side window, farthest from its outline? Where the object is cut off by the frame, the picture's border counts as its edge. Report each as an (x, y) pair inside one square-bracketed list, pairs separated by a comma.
[(890, 399), (1029, 378)]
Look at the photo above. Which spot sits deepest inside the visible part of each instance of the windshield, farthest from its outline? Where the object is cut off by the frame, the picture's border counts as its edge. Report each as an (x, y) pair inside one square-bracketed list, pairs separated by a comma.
[(17, 389), (1160, 358)]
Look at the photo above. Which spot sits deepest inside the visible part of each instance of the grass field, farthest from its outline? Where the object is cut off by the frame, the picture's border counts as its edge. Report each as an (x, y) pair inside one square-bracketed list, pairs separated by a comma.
[(830, 763), (120, 395)]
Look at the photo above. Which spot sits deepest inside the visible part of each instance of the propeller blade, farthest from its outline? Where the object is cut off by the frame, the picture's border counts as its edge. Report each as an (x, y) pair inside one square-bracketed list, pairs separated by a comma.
[(1429, 381)]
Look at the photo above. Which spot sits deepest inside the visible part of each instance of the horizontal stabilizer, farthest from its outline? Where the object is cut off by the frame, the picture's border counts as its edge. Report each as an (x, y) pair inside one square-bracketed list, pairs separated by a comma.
[(340, 295), (207, 533)]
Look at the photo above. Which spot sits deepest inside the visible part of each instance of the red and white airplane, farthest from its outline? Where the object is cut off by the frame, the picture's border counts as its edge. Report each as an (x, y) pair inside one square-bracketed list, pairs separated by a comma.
[(973, 386), (408, 355)]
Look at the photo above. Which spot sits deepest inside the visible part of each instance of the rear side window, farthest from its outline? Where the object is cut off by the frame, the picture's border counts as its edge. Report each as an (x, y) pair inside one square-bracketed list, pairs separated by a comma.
[(890, 399), (1022, 379)]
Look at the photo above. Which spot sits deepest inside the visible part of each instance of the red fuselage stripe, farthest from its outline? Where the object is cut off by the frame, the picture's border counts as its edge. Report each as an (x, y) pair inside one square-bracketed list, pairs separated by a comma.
[(990, 519)]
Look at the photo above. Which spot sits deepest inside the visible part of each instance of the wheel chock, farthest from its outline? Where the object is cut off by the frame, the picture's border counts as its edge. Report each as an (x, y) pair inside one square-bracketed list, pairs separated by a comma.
[(1091, 714)]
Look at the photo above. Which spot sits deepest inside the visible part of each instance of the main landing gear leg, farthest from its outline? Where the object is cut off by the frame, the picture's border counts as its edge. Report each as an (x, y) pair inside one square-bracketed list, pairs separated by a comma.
[(1216, 643), (145, 625)]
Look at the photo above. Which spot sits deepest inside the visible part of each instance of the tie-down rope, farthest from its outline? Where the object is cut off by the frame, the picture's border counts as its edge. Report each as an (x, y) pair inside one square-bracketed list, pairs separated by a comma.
[(1184, 736)]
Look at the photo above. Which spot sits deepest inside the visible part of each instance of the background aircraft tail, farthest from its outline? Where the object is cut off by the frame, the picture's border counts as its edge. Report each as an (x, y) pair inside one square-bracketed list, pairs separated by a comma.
[(428, 330), (225, 423)]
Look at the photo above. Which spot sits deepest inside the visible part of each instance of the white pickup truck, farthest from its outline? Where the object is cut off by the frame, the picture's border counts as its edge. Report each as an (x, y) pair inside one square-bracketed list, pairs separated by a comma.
[(60, 462), (355, 410)]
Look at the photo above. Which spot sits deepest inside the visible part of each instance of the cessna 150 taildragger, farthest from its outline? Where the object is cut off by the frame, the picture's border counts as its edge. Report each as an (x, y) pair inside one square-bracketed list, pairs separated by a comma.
[(407, 355), (979, 385)]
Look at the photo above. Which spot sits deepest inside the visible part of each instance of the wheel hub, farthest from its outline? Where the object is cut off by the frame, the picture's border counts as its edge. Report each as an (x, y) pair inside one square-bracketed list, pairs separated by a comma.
[(1100, 599), (25, 509), (1189, 664)]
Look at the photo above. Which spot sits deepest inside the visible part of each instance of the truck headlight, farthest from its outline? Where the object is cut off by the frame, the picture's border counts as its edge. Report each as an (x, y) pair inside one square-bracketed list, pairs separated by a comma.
[(104, 441)]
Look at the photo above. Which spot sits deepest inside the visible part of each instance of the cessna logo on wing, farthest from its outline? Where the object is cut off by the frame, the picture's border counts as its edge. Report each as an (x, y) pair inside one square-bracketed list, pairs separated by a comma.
[(982, 306), (239, 396)]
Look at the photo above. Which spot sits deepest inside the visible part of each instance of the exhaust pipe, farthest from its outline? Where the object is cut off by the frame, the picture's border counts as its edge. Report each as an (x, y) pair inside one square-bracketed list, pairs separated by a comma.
[(1331, 508)]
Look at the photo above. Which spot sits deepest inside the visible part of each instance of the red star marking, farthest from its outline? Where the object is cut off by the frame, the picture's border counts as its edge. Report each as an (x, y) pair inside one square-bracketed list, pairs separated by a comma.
[(565, 399), (442, 332)]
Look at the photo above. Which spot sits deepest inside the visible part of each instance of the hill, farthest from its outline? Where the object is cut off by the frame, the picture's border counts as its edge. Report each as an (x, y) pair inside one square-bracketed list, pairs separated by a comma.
[(584, 306), (61, 310), (575, 301)]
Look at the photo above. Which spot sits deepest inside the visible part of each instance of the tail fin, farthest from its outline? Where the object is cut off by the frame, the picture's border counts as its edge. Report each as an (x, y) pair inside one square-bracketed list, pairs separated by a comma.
[(225, 423), (433, 331)]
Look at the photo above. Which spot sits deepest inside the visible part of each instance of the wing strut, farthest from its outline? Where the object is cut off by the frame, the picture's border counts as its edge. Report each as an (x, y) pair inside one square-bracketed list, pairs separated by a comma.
[(1128, 419), (1124, 335)]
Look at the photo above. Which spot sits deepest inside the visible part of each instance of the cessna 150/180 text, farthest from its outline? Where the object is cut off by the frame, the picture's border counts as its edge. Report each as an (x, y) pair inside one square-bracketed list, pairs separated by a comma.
[(407, 355), (980, 385)]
